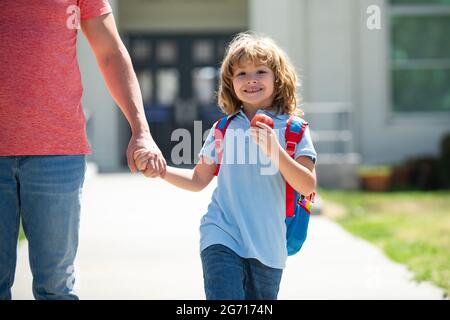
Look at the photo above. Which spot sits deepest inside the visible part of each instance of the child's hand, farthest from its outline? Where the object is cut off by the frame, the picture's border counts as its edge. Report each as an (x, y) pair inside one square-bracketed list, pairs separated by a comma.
[(265, 138)]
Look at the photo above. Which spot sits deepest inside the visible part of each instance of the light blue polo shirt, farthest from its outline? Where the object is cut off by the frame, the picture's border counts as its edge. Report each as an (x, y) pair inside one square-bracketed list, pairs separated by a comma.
[(248, 206)]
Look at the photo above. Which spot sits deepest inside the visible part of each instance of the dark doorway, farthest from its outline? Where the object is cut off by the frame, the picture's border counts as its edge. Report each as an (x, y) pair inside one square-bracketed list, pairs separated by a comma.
[(178, 76)]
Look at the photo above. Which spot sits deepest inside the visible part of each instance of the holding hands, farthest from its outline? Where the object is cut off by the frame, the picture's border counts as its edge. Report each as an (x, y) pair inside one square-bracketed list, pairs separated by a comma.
[(144, 155), (149, 163)]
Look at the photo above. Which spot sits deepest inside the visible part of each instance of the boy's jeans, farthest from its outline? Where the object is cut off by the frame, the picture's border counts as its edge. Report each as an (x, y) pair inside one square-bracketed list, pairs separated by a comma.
[(227, 276), (45, 192)]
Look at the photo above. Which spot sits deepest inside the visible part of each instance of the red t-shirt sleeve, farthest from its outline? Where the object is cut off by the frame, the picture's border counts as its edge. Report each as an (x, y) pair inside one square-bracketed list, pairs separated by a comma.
[(94, 8)]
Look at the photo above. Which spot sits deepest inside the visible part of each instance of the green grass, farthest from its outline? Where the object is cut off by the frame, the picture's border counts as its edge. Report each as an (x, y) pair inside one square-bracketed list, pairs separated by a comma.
[(412, 228)]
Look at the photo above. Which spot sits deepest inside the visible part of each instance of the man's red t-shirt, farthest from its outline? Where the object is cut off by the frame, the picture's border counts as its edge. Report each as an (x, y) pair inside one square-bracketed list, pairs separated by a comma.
[(40, 83)]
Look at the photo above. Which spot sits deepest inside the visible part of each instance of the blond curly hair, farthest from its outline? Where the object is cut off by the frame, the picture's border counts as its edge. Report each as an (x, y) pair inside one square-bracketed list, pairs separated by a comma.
[(259, 49)]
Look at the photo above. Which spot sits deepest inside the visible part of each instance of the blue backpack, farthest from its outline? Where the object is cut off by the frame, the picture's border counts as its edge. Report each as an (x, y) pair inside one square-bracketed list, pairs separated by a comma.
[(298, 207)]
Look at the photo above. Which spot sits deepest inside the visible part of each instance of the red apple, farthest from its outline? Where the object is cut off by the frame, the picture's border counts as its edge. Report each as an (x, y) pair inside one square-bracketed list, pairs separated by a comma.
[(262, 118)]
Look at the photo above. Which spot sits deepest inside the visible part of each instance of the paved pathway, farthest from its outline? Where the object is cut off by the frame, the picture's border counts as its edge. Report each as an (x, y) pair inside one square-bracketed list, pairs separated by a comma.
[(139, 240)]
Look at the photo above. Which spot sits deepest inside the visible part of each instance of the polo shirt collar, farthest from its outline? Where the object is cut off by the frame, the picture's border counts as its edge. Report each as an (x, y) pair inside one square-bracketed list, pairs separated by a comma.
[(270, 113)]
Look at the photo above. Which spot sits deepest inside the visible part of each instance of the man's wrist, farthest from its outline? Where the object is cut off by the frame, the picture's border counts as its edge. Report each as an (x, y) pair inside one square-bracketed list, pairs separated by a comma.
[(140, 130), (142, 133), (139, 126)]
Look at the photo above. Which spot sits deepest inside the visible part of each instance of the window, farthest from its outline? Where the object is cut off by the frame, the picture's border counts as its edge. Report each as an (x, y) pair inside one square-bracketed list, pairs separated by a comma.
[(141, 51), (204, 85), (168, 86), (203, 51), (167, 51), (420, 55)]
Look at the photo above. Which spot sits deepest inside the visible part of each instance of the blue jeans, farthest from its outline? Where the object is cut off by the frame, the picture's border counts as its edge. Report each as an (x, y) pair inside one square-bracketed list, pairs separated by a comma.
[(43, 191), (228, 276)]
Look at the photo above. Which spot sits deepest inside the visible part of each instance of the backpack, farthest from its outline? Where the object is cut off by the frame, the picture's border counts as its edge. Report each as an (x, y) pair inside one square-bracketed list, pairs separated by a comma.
[(298, 207)]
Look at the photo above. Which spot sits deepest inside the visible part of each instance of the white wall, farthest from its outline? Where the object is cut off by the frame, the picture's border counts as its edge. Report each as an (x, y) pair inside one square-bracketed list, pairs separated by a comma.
[(183, 15), (341, 60), (388, 137)]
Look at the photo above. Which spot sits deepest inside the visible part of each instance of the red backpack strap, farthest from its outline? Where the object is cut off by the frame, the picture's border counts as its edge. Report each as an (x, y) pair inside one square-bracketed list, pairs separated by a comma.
[(220, 129), (294, 132)]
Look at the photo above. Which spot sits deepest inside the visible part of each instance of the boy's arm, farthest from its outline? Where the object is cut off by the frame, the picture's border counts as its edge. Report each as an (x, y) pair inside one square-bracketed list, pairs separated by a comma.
[(299, 173), (192, 179)]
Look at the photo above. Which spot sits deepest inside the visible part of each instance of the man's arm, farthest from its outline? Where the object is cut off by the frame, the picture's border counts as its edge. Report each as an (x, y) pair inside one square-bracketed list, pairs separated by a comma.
[(115, 64)]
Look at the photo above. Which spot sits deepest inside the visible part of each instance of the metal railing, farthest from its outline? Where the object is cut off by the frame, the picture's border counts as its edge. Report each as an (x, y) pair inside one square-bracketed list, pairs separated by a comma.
[(331, 127)]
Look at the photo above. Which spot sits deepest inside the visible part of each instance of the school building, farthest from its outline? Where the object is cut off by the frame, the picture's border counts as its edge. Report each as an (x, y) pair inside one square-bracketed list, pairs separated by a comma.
[(375, 73)]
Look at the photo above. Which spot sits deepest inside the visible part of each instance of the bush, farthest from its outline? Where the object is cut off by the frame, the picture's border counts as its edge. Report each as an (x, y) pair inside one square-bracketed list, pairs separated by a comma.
[(425, 173), (401, 177), (445, 160), (421, 173)]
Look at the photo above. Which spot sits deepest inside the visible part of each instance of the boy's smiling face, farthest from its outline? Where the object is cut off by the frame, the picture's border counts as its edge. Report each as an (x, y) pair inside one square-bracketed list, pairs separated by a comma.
[(254, 84)]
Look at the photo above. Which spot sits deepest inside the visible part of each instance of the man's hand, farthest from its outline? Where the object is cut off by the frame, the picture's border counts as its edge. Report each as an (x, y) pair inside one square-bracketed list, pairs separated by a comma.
[(156, 164)]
